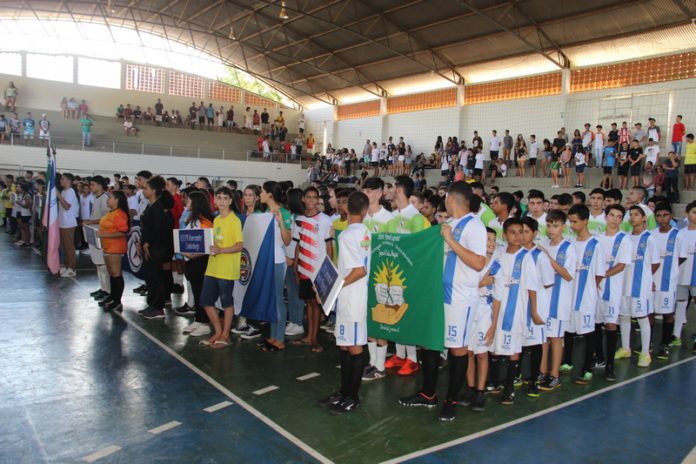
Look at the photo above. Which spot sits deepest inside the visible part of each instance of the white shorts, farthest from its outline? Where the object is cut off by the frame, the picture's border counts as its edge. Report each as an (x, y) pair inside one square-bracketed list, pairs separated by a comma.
[(555, 328), (247, 125), (581, 323), (636, 307), (607, 312), (534, 335), (401, 158), (43, 135), (479, 329), (459, 320), (665, 302), (350, 333), (684, 292), (256, 127), (507, 343)]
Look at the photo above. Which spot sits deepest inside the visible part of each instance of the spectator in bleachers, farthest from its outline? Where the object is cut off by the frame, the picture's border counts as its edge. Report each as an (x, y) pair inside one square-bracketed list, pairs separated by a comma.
[(280, 120), (148, 116), (11, 97), (220, 119), (119, 110), (247, 119), (191, 120), (4, 125), (159, 111), (265, 118), (310, 143), (84, 109), (66, 111), (137, 114), (28, 124), (86, 127), (256, 122), (230, 118), (210, 115), (73, 107), (129, 128), (201, 116), (282, 132), (15, 125), (300, 124), (128, 111), (166, 119)]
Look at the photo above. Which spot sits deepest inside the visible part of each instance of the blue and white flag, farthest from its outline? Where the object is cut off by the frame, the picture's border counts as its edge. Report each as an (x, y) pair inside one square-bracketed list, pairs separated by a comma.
[(133, 261), (254, 292)]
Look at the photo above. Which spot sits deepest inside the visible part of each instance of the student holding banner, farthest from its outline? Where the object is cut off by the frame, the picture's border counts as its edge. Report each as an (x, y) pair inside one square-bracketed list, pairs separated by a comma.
[(113, 231)]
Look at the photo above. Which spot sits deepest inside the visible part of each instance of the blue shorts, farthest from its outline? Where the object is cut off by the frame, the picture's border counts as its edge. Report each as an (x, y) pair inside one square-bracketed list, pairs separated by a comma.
[(214, 288)]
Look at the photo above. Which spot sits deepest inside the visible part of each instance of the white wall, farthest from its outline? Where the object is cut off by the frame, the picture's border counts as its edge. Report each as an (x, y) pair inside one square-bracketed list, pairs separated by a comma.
[(318, 121), (421, 128), (43, 94), (16, 159), (352, 133)]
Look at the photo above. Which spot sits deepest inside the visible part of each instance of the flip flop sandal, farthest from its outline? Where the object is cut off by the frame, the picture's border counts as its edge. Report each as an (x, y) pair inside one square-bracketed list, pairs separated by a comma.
[(269, 348)]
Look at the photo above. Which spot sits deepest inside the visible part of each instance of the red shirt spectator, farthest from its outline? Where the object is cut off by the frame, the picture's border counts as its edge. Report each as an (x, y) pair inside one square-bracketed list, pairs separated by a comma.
[(678, 131), (259, 142), (177, 210)]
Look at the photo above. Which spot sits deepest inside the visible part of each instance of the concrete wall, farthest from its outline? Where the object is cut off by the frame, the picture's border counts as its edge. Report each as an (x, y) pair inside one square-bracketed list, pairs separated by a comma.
[(14, 160)]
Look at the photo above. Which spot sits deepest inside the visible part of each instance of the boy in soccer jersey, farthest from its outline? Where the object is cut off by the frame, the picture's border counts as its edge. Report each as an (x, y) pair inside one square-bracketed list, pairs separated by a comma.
[(514, 294), (535, 203), (534, 331), (351, 306), (668, 241), (597, 223), (479, 346), (617, 249), (376, 221), (465, 237), (562, 259), (589, 272), (638, 296), (406, 219), (686, 287), (502, 206), (340, 223)]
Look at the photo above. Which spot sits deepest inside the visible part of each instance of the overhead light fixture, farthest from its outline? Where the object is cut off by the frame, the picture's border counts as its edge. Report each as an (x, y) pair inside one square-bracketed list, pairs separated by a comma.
[(283, 13)]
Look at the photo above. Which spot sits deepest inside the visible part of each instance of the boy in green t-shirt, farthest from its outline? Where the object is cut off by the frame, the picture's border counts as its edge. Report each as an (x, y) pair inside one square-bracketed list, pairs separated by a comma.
[(223, 268), (86, 126)]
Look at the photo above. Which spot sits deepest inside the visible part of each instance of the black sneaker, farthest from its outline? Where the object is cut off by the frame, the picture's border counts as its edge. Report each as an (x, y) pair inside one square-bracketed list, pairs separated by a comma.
[(177, 289), (105, 302), (140, 289), (104, 296), (467, 397), (533, 390), (448, 411), (144, 310), (153, 313), (97, 294), (663, 353), (335, 397), (693, 349), (347, 405), (479, 402), (114, 306), (609, 374), (251, 333), (495, 390), (599, 364), (508, 399), (550, 383), (419, 400), (184, 310)]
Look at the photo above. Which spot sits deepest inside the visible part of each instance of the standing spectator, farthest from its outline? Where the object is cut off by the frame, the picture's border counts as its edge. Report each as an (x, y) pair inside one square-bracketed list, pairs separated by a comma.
[(22, 208), (622, 157), (613, 133), (201, 115), (11, 97), (265, 118), (282, 132), (66, 112), (690, 162), (678, 131), (652, 152), (580, 169), (266, 145), (587, 139), (210, 115), (566, 160), (507, 145), (28, 124), (640, 135), (653, 130), (159, 108), (577, 142), (15, 125), (247, 118), (73, 106), (280, 120), (599, 142), (624, 134), (301, 123), (671, 167), (256, 122), (521, 156), (83, 108), (230, 118), (310, 143), (220, 119), (4, 126), (635, 156), (86, 126), (494, 144), (68, 211), (193, 112)]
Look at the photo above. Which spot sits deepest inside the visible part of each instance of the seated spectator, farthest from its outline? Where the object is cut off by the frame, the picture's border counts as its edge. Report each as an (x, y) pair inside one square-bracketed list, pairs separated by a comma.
[(129, 128), (166, 119), (64, 107), (84, 109), (137, 114), (119, 110), (73, 106), (148, 116), (127, 112)]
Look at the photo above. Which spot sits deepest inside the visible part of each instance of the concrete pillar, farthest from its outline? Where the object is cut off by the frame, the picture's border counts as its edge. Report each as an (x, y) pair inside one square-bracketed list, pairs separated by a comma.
[(460, 95)]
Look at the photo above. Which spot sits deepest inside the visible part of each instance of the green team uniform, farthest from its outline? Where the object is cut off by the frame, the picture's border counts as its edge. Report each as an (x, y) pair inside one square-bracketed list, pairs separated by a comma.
[(407, 221), (597, 224), (651, 223)]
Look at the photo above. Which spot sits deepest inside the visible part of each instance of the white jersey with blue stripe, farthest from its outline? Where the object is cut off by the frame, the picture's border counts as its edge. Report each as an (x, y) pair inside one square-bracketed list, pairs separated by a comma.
[(639, 284), (623, 256), (687, 251), (473, 237), (565, 292), (585, 291), (661, 242)]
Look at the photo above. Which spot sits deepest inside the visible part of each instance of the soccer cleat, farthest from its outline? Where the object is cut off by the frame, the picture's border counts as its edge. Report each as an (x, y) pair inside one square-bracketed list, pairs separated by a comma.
[(609, 374), (675, 342), (468, 397), (518, 381), (153, 313), (140, 289), (644, 360), (202, 329), (622, 353), (663, 353), (184, 310), (104, 296), (449, 411), (533, 390), (599, 364), (408, 368), (347, 405), (105, 302), (191, 327), (566, 368), (251, 333), (550, 383), (114, 306), (371, 373), (335, 397), (419, 400), (584, 379), (479, 403), (293, 329), (97, 294), (394, 361), (508, 399)]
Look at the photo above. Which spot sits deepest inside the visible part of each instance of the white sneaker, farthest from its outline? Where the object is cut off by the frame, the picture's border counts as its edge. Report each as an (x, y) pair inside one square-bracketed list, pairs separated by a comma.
[(19, 242), (554, 186), (68, 273), (240, 329), (191, 327), (203, 329), (293, 329)]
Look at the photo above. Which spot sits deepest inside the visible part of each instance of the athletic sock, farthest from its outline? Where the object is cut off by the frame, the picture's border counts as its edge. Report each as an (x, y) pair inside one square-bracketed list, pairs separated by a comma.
[(510, 379), (372, 349), (345, 372), (457, 374), (535, 358), (568, 340), (680, 318), (598, 346), (494, 370), (381, 357), (356, 372), (667, 329), (430, 370), (625, 324), (117, 285), (104, 278), (178, 278), (411, 353), (644, 325), (589, 348), (612, 337), (401, 351)]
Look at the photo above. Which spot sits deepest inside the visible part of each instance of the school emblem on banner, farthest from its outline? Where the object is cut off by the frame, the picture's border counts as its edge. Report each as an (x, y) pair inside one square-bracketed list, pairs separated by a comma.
[(132, 261), (389, 291)]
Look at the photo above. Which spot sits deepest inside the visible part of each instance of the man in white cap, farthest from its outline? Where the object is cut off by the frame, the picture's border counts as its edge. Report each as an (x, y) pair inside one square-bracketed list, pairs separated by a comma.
[(44, 130)]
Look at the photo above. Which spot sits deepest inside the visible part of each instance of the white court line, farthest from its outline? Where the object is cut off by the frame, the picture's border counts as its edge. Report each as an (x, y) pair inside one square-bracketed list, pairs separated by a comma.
[(219, 406), (164, 427), (690, 458), (506, 425), (109, 450), (265, 390), (311, 375)]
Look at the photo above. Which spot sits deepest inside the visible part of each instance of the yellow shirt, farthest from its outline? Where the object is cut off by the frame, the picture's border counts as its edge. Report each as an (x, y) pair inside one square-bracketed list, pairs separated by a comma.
[(227, 232), (338, 226), (690, 157)]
